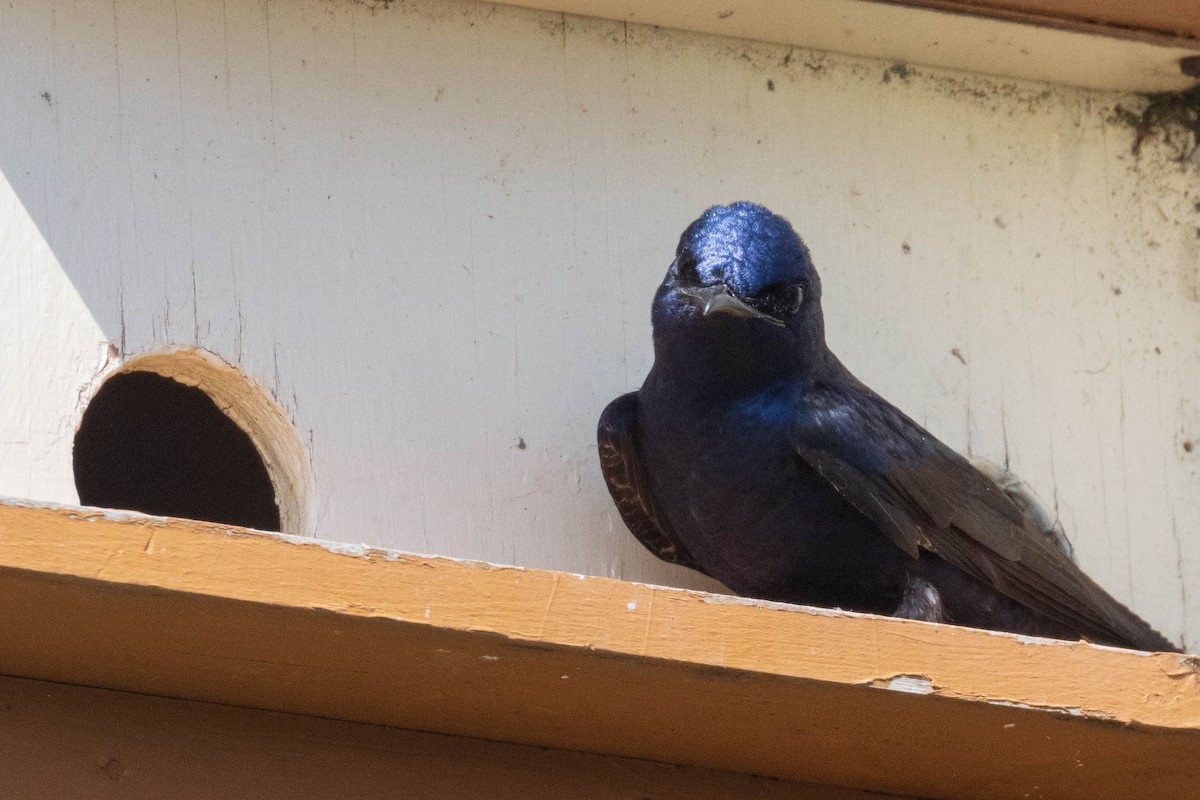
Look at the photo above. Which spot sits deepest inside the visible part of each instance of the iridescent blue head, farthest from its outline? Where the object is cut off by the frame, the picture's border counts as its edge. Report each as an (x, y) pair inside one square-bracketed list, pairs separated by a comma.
[(741, 282), (755, 254)]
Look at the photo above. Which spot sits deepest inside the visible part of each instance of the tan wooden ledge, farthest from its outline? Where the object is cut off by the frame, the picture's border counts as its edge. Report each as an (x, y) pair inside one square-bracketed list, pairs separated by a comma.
[(207, 612)]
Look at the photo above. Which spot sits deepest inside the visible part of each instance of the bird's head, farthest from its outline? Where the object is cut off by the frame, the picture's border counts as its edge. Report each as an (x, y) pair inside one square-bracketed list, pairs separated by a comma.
[(742, 280)]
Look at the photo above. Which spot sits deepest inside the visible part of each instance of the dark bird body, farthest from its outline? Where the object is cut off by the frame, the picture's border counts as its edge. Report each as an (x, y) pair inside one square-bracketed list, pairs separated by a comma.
[(753, 455)]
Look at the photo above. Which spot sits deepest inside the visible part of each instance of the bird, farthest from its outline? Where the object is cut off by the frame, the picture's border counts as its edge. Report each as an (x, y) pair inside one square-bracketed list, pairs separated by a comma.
[(751, 454)]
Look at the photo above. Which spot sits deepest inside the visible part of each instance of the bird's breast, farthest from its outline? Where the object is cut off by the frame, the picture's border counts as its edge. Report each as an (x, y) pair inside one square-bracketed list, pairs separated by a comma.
[(754, 515), (724, 470)]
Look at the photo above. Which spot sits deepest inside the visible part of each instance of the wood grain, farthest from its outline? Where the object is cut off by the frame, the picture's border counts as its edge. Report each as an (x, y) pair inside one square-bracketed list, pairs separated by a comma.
[(74, 742)]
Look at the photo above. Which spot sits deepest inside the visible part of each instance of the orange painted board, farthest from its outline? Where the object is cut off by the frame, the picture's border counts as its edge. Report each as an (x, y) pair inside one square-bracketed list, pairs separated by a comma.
[(205, 612), (62, 741)]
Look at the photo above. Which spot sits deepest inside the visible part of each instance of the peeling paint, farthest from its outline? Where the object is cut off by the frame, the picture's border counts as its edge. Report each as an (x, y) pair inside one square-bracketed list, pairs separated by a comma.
[(909, 684), (1026, 639), (1073, 711), (1189, 669)]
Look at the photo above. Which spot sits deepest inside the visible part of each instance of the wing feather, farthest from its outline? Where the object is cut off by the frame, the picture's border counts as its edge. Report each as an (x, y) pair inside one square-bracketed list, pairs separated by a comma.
[(629, 484), (924, 496)]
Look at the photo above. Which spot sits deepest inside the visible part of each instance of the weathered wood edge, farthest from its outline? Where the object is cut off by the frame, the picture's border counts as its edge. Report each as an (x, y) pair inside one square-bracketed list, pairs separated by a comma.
[(1050, 44), (94, 597)]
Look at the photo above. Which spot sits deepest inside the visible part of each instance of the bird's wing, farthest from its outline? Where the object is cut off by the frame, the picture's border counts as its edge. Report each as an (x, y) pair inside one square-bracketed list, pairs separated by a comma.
[(629, 485), (924, 496)]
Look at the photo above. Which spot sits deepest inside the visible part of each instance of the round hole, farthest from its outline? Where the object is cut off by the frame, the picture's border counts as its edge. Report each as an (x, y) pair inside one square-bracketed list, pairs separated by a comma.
[(181, 434)]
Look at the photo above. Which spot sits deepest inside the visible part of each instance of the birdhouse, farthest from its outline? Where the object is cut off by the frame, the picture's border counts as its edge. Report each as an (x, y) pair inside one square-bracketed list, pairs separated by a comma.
[(310, 307)]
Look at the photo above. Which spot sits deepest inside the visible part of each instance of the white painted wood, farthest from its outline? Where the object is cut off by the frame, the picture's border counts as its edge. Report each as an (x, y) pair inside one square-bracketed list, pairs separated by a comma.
[(431, 230), (1100, 57)]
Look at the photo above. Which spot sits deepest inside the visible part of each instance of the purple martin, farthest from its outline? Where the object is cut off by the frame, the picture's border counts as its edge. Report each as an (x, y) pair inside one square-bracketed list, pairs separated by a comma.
[(752, 455)]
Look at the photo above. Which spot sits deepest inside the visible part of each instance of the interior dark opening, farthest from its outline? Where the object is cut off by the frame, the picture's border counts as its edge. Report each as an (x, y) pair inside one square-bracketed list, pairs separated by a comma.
[(148, 443)]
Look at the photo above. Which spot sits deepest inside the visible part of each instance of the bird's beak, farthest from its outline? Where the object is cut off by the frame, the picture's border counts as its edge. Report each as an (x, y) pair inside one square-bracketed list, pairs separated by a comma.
[(718, 299)]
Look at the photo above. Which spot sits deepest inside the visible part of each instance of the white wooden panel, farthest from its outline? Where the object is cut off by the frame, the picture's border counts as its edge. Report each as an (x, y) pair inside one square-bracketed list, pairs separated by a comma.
[(432, 229)]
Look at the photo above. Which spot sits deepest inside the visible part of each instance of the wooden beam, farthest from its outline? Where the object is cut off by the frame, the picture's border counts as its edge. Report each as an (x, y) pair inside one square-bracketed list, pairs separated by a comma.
[(1117, 46), (205, 612), (60, 741), (1163, 19)]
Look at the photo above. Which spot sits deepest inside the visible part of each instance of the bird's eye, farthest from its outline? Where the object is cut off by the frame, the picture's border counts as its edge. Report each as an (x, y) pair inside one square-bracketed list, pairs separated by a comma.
[(685, 268), (779, 299), (797, 297)]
